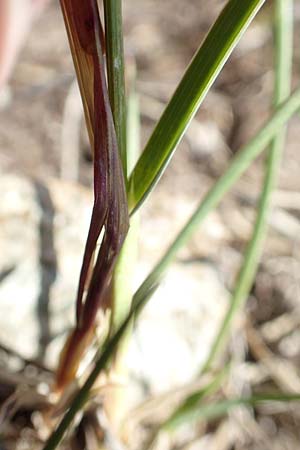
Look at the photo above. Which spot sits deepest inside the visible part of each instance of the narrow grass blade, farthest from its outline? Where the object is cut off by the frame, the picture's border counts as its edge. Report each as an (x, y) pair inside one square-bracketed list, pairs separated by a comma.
[(213, 411), (284, 57), (115, 72), (192, 401), (200, 75), (239, 164)]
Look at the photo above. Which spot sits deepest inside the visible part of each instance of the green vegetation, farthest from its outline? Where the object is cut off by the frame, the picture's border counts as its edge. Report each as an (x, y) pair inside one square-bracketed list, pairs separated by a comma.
[(124, 194)]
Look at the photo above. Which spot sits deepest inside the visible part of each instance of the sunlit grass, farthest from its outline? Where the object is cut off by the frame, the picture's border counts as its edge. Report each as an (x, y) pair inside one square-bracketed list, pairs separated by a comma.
[(121, 150)]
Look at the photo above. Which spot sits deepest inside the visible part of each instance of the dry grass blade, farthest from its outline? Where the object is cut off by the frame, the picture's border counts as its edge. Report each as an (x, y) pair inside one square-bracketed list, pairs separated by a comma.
[(110, 206)]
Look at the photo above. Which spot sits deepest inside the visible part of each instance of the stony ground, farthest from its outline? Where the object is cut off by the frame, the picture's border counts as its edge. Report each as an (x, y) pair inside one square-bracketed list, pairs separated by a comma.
[(45, 207)]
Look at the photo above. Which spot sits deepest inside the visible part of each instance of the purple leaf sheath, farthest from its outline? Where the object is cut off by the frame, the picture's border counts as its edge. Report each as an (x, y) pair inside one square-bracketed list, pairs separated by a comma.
[(110, 211)]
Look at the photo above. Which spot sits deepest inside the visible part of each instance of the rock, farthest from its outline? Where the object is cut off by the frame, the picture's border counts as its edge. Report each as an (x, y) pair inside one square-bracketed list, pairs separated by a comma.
[(175, 331), (42, 235)]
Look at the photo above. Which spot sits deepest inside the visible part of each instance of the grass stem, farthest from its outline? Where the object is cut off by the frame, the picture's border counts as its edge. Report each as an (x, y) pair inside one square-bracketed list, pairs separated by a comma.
[(115, 72)]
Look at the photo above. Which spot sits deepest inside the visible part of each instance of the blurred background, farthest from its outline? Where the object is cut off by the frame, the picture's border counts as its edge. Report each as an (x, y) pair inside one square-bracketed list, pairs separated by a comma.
[(46, 200)]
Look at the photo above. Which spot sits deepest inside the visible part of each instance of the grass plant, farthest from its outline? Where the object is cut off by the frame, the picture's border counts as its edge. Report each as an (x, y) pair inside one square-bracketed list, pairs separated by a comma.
[(121, 186)]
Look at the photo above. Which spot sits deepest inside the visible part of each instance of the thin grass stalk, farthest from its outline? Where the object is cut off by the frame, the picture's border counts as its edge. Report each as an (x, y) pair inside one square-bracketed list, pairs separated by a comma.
[(215, 410), (124, 271), (283, 70), (190, 403), (122, 286), (121, 289), (115, 72), (238, 166), (194, 399), (122, 292), (279, 118)]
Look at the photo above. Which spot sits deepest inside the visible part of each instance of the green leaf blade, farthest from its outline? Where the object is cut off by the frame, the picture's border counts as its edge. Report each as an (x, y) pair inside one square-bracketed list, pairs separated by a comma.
[(215, 410), (239, 164), (192, 402), (200, 75)]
